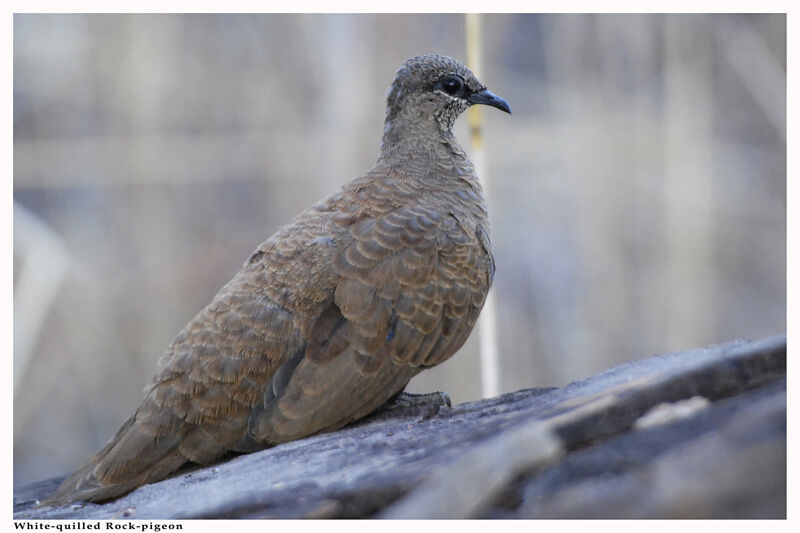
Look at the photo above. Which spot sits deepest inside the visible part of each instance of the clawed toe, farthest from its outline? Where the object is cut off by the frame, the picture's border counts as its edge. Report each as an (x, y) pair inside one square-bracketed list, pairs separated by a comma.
[(428, 405)]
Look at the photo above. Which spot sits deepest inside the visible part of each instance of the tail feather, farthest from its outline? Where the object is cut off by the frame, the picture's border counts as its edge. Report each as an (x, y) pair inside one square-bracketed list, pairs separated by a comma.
[(131, 459)]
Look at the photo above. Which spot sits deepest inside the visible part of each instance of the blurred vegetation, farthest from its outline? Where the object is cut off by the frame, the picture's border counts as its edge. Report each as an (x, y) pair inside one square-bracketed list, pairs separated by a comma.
[(637, 195)]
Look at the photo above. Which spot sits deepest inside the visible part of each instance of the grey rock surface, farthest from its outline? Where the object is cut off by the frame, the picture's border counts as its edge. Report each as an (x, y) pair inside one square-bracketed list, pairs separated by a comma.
[(710, 443)]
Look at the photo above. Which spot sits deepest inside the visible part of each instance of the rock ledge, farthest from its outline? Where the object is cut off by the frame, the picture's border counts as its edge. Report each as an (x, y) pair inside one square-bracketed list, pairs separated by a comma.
[(693, 434)]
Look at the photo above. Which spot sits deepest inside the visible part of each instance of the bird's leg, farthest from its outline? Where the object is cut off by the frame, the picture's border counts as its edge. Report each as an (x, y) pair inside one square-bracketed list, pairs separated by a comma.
[(426, 405), (407, 399)]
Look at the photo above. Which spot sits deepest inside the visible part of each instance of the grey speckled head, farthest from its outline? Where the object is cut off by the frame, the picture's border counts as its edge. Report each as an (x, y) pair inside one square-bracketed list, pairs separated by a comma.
[(436, 86)]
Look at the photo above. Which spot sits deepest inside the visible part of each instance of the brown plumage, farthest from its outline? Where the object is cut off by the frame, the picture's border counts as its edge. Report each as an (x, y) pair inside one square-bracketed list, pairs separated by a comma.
[(335, 313)]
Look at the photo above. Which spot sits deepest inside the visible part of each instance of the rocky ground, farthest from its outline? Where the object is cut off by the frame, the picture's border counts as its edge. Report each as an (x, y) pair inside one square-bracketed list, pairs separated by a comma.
[(694, 434)]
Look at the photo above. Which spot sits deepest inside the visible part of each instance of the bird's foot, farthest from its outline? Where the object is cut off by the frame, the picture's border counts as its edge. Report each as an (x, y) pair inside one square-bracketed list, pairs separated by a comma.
[(407, 399), (427, 405)]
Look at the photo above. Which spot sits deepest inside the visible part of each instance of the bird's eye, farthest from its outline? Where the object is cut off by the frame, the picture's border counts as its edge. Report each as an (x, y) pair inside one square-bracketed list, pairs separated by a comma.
[(452, 85)]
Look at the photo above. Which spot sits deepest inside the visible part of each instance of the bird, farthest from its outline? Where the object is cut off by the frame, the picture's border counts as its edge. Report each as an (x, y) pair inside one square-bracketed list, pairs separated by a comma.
[(331, 316)]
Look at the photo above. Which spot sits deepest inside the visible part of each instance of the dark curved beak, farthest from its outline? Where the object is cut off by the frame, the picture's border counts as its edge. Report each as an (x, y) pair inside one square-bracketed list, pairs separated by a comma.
[(487, 97)]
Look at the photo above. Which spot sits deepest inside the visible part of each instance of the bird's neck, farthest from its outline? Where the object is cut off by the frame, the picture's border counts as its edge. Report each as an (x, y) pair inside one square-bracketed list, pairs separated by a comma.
[(421, 143)]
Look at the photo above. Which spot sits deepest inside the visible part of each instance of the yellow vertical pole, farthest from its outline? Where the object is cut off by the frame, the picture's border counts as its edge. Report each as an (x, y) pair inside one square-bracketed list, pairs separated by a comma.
[(487, 324)]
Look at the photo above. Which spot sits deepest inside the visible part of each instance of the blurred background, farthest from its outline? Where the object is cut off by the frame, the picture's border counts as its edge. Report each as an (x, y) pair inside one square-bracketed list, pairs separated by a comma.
[(637, 195)]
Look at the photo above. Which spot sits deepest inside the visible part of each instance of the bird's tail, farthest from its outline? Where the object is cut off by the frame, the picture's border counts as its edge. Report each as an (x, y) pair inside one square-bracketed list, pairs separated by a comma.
[(131, 459)]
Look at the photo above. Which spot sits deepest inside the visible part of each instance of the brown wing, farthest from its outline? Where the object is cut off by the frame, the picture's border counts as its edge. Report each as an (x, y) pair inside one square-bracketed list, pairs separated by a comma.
[(424, 280), (321, 327), (411, 285), (214, 372)]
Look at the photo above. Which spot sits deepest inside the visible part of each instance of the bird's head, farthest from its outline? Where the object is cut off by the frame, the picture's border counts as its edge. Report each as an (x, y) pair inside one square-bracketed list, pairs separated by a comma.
[(435, 87)]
